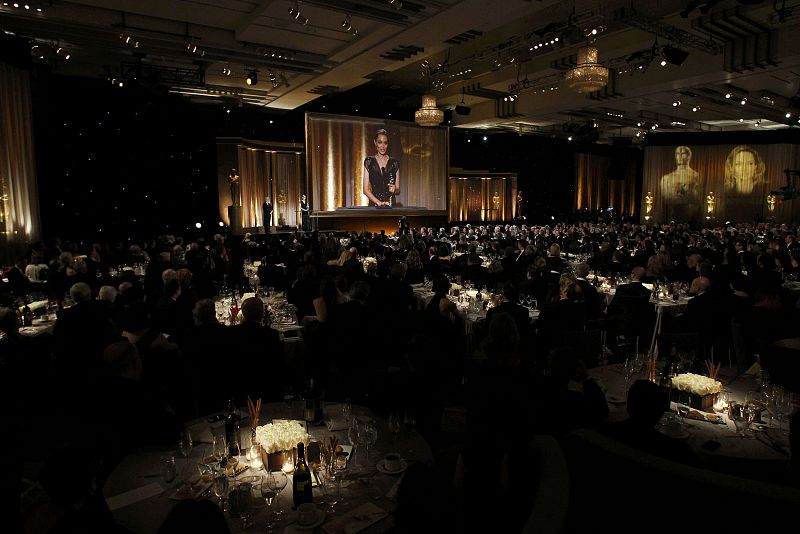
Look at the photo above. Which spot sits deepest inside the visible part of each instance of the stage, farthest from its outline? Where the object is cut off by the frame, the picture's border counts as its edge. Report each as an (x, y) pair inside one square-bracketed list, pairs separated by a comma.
[(373, 219)]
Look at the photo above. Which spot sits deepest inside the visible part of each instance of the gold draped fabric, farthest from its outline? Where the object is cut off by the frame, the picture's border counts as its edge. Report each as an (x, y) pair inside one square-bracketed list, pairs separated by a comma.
[(482, 198), (681, 179), (19, 196), (276, 174), (337, 147), (596, 189)]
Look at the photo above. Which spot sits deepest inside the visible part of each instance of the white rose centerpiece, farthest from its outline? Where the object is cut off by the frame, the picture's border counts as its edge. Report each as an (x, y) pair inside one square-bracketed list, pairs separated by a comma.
[(697, 391), (279, 441), (696, 384)]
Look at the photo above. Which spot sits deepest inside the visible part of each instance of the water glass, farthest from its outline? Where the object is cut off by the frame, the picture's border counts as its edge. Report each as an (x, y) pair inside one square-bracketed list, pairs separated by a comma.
[(168, 470)]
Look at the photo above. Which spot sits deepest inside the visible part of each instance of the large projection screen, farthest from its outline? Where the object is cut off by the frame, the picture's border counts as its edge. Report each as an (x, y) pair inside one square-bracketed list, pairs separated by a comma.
[(723, 182), (338, 145)]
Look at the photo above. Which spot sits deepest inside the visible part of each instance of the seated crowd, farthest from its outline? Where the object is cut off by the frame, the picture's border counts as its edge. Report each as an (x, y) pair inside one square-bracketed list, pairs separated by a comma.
[(145, 345)]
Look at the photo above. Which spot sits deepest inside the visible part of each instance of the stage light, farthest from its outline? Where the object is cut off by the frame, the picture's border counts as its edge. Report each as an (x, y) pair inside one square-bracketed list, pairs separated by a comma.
[(569, 138), (252, 78), (198, 225), (221, 224), (741, 120)]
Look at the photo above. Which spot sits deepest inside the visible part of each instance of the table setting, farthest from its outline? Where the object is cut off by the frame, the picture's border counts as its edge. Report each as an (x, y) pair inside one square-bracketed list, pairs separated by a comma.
[(725, 418), (356, 471)]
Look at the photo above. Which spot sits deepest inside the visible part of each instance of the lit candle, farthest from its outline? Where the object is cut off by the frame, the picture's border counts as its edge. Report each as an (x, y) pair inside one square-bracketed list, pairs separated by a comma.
[(288, 468)]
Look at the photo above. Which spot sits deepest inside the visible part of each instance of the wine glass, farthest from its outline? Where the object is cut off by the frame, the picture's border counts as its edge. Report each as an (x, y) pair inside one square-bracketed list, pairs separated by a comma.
[(353, 435), (340, 472), (277, 480), (755, 402), (288, 397), (221, 488), (740, 417), (395, 424), (347, 409), (218, 448), (168, 472), (370, 436), (269, 494), (185, 444)]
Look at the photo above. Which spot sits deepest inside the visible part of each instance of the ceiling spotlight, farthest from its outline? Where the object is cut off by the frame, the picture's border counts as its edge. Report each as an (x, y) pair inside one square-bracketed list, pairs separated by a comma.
[(347, 23), (569, 138), (695, 108), (788, 115), (663, 62), (396, 3), (252, 77), (741, 120), (743, 101), (673, 55), (758, 123), (226, 70), (728, 95), (676, 103)]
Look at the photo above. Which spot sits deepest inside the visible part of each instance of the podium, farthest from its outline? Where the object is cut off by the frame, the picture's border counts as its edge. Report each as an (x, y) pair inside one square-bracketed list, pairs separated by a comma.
[(235, 219)]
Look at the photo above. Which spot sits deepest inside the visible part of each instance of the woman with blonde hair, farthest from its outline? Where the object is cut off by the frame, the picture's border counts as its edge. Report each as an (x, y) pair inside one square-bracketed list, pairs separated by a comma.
[(744, 171)]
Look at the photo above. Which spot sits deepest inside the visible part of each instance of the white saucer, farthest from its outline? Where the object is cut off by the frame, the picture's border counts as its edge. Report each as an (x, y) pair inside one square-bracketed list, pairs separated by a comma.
[(317, 522), (680, 435), (382, 468)]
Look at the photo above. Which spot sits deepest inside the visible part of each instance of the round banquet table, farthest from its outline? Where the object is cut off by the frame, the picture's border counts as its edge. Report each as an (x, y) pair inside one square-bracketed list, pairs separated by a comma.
[(762, 454), (140, 499)]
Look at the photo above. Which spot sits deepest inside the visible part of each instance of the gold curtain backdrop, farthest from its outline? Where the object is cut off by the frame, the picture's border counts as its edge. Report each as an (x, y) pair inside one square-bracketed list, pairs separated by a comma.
[(482, 198), (19, 195), (272, 173), (681, 180), (595, 189), (337, 147)]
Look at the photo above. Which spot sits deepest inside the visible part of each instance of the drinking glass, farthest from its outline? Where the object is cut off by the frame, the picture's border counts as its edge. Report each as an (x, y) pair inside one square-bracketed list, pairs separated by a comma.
[(218, 447), (185, 445), (269, 494), (370, 436), (277, 480), (221, 488), (354, 435), (740, 417), (395, 424), (168, 472), (347, 409)]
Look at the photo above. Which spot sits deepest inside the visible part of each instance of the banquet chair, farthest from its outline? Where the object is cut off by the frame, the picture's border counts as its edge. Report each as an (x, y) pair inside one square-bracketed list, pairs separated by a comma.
[(549, 510)]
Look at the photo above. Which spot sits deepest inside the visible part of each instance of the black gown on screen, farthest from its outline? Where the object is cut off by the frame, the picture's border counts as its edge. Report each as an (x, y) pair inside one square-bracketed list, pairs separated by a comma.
[(381, 177)]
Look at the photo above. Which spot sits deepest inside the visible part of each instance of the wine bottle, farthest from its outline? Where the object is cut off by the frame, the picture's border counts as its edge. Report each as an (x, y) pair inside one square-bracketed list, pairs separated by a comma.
[(313, 410), (232, 429), (301, 482), (27, 315)]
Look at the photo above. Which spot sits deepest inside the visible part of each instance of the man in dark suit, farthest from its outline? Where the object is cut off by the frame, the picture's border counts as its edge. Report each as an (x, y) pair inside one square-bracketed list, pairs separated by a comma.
[(630, 308), (594, 303), (260, 348), (266, 210), (510, 306)]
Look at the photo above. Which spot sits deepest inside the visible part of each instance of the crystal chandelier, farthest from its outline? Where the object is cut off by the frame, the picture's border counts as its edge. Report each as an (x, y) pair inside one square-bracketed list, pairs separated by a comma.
[(428, 114), (588, 75)]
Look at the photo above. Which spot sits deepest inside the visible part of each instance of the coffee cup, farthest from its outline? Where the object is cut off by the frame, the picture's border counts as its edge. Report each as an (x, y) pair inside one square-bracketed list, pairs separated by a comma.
[(306, 513), (392, 462)]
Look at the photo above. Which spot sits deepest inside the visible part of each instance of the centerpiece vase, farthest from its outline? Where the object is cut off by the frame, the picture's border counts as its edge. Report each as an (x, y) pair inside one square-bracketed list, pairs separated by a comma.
[(274, 461)]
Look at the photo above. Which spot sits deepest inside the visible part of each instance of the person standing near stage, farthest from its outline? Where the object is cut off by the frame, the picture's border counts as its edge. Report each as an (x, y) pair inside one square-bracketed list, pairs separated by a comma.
[(305, 221), (266, 209), (381, 177)]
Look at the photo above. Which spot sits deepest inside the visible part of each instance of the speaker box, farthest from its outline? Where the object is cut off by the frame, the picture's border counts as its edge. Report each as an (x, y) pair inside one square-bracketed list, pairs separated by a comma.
[(463, 110)]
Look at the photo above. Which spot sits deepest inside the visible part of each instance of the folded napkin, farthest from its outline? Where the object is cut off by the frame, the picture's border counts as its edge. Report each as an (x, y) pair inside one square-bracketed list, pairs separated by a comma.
[(38, 305), (337, 423), (129, 497), (355, 520)]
